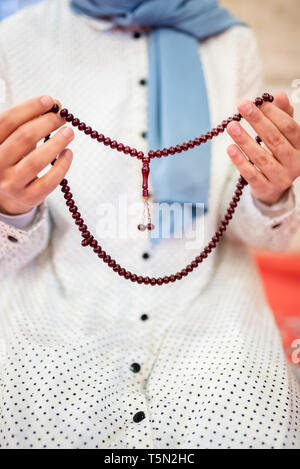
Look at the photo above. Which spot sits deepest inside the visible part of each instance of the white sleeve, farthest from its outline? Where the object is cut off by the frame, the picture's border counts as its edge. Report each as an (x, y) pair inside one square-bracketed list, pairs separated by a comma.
[(18, 247), (261, 226), (19, 221)]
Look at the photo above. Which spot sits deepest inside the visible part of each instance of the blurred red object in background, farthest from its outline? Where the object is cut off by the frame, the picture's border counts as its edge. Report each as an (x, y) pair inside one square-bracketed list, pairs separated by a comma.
[(280, 274)]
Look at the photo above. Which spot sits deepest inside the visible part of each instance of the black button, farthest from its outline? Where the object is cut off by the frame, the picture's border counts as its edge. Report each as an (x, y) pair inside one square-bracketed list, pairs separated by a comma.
[(136, 35), (144, 317), (144, 134), (12, 239), (135, 367), (143, 82), (139, 416), (145, 255), (276, 226)]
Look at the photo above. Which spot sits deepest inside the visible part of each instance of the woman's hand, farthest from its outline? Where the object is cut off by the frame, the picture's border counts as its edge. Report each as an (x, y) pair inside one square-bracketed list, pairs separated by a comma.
[(273, 171), (21, 128)]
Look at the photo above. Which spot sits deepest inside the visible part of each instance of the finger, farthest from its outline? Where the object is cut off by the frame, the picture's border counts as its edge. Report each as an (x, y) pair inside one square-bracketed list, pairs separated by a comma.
[(16, 116), (282, 101), (266, 163), (40, 188), (25, 138), (255, 178), (284, 123), (28, 168), (268, 132)]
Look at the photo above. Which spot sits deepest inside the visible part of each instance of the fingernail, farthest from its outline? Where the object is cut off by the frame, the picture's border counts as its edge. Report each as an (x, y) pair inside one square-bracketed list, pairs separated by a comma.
[(46, 101), (246, 108), (67, 132), (235, 130)]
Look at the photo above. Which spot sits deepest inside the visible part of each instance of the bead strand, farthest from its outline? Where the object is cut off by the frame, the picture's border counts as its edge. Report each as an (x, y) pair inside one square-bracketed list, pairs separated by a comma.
[(133, 152), (89, 239)]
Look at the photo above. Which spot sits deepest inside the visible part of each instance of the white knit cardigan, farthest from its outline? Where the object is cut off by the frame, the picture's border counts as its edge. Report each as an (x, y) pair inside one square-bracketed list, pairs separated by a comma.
[(212, 365)]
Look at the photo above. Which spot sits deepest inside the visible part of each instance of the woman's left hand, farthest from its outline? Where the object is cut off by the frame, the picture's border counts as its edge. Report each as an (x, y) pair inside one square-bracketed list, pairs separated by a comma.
[(273, 171)]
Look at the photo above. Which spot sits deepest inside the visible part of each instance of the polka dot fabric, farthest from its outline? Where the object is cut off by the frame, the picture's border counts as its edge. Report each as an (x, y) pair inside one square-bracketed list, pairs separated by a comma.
[(211, 377), (88, 360)]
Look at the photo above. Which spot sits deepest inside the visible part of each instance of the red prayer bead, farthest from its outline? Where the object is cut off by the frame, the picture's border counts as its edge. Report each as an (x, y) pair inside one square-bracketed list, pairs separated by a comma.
[(94, 244), (64, 112), (82, 126), (237, 117), (85, 242), (258, 101), (94, 134)]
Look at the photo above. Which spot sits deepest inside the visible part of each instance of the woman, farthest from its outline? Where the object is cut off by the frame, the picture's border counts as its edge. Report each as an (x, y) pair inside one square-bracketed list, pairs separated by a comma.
[(88, 358)]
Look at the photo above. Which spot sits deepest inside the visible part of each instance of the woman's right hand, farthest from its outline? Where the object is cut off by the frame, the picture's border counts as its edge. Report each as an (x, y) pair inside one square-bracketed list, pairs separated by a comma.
[(21, 128)]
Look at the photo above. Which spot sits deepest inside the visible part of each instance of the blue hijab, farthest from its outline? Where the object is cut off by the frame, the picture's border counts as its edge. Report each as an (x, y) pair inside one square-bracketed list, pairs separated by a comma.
[(177, 99)]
